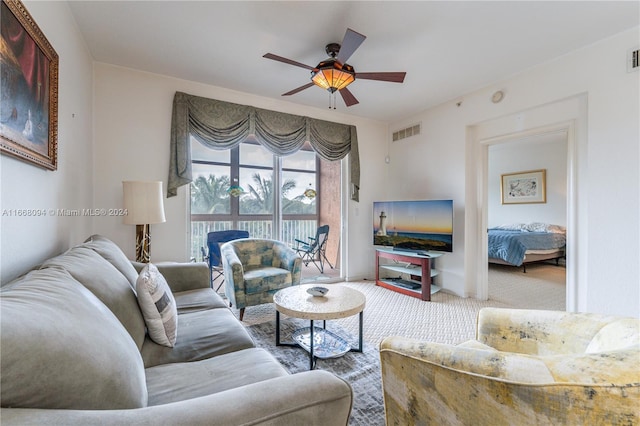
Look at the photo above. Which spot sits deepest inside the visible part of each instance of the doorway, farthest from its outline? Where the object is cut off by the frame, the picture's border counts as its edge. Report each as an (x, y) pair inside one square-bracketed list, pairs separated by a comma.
[(329, 191), (569, 115), (543, 285)]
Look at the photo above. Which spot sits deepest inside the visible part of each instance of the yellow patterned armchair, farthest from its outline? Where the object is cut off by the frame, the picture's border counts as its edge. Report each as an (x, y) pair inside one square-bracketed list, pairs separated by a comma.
[(525, 367)]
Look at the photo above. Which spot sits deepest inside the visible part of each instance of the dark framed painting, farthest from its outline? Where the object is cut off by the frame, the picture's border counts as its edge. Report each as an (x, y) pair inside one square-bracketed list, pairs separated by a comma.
[(29, 89)]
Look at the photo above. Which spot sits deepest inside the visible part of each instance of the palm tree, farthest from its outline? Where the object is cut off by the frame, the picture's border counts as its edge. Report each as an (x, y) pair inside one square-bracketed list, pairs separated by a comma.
[(298, 205), (209, 195), (288, 205), (260, 199)]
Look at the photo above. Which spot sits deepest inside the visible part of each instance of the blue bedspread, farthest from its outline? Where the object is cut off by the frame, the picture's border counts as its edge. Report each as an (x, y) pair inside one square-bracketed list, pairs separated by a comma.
[(510, 246)]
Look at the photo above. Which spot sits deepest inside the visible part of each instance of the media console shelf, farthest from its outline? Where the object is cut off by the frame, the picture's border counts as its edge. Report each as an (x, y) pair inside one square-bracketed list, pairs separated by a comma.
[(416, 272)]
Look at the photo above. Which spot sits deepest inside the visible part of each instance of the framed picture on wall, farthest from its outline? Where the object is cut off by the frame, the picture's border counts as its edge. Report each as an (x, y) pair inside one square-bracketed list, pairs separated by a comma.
[(29, 83), (524, 187)]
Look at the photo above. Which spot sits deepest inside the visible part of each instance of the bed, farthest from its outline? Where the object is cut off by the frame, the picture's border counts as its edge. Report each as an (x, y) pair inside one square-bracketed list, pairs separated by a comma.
[(521, 244)]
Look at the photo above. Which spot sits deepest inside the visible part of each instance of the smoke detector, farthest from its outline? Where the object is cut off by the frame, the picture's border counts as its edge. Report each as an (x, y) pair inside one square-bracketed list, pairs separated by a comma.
[(497, 97)]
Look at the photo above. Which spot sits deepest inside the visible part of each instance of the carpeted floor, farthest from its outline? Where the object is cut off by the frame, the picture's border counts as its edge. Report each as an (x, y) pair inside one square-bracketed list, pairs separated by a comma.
[(446, 319), (360, 370), (542, 287)]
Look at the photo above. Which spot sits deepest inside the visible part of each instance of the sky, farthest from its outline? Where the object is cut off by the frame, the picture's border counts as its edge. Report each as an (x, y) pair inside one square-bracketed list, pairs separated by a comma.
[(425, 216)]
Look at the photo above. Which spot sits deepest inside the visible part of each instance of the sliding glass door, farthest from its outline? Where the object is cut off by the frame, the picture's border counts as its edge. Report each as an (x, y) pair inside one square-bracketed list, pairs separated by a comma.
[(249, 188)]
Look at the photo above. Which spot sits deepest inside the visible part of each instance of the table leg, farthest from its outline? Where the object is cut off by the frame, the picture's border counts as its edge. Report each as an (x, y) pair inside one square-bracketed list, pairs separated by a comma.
[(311, 346), (360, 332), (277, 328)]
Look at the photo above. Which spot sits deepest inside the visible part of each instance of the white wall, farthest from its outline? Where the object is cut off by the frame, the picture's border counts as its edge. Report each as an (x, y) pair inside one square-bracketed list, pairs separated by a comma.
[(132, 126), (607, 152), (431, 166), (518, 156), (26, 241)]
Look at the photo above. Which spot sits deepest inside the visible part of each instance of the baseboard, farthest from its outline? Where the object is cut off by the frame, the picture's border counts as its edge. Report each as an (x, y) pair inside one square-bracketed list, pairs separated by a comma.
[(359, 278)]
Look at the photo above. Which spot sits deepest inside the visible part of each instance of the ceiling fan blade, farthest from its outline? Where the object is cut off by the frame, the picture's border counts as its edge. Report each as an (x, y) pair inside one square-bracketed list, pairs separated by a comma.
[(348, 97), (286, 61), (299, 89), (351, 41), (394, 77)]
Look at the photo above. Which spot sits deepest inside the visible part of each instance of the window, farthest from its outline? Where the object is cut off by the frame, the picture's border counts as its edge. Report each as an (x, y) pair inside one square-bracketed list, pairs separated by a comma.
[(273, 203), (256, 177), (299, 175)]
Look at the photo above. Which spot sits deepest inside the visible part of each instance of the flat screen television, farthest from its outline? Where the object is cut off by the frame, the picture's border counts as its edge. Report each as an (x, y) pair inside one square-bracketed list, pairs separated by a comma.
[(418, 226)]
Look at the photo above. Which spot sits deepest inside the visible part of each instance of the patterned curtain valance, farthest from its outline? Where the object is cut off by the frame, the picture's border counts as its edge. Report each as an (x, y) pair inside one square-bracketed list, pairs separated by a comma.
[(224, 125)]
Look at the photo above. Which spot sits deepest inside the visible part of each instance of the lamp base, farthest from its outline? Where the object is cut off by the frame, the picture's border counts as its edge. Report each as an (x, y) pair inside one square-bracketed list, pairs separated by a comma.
[(143, 244)]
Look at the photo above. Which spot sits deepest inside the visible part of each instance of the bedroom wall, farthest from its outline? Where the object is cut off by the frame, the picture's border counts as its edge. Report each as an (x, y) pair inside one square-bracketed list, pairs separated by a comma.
[(26, 241), (607, 153), (547, 152), (132, 126)]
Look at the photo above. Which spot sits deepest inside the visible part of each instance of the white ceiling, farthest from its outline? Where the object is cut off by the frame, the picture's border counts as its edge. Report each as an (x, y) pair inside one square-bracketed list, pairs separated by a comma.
[(447, 48)]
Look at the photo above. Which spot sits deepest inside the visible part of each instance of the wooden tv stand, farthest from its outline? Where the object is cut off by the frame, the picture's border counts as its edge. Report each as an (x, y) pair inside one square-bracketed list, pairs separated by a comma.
[(415, 272)]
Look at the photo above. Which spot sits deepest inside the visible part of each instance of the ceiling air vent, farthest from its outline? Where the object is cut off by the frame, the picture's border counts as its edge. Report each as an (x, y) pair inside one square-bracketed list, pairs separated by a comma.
[(406, 133), (633, 59)]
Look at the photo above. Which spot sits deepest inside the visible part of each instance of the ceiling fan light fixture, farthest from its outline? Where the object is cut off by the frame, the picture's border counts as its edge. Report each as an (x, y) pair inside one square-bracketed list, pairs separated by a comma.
[(332, 75)]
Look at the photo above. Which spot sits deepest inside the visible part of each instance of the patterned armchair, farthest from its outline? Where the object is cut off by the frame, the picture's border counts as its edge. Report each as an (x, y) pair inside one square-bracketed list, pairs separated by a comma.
[(254, 269), (525, 367)]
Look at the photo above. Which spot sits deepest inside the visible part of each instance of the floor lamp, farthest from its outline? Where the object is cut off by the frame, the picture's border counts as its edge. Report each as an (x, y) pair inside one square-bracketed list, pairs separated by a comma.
[(144, 206)]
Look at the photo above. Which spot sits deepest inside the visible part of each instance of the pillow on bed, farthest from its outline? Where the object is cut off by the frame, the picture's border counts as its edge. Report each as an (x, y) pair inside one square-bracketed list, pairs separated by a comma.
[(512, 227), (536, 227), (557, 229), (532, 227), (545, 227)]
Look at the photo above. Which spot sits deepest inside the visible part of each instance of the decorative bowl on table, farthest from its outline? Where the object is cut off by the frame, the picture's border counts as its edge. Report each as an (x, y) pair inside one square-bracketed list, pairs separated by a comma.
[(317, 291), (325, 343)]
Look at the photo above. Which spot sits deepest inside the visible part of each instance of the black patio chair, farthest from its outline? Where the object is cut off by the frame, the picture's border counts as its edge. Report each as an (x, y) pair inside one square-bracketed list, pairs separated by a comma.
[(314, 251), (212, 257)]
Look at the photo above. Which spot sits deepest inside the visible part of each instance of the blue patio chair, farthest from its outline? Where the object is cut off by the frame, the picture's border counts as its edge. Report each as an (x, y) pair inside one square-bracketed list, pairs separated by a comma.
[(212, 257)]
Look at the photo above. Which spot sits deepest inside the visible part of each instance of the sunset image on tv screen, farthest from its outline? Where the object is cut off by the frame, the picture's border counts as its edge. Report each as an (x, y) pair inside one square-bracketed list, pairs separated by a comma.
[(414, 225)]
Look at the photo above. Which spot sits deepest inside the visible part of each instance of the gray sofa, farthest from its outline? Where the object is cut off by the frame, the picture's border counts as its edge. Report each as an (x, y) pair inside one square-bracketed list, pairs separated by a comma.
[(75, 351)]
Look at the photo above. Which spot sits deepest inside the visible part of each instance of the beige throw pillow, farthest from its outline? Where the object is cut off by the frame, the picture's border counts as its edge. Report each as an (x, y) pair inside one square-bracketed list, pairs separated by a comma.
[(158, 306)]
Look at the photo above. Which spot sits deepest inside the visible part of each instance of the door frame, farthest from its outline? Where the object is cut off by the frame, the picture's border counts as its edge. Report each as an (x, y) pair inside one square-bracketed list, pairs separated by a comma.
[(479, 137)]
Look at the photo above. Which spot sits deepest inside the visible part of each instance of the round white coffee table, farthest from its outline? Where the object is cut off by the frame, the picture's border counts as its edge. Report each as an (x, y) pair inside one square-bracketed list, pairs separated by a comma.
[(339, 302)]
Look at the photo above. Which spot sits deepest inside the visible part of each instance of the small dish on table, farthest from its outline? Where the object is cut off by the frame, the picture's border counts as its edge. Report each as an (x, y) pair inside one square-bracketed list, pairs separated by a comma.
[(318, 291)]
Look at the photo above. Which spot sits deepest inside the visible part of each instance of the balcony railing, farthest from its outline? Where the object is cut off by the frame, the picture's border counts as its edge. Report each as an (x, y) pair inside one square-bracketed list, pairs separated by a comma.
[(291, 230)]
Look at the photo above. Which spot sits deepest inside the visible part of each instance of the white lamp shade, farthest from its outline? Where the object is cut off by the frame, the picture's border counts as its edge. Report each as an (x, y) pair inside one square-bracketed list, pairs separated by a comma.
[(143, 202)]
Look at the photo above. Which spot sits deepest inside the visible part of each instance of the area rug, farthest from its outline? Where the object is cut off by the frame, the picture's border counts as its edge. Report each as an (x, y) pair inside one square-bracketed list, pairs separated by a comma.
[(360, 370)]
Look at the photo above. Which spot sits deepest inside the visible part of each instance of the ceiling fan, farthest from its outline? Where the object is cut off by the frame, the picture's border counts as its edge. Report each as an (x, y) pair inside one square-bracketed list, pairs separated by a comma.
[(334, 74)]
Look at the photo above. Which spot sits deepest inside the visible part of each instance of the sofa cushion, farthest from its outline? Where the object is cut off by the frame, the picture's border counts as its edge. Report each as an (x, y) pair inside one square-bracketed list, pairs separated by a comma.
[(185, 276), (63, 348), (474, 344), (201, 335), (264, 279), (107, 283), (158, 306), (618, 334), (114, 255), (180, 381), (198, 300)]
